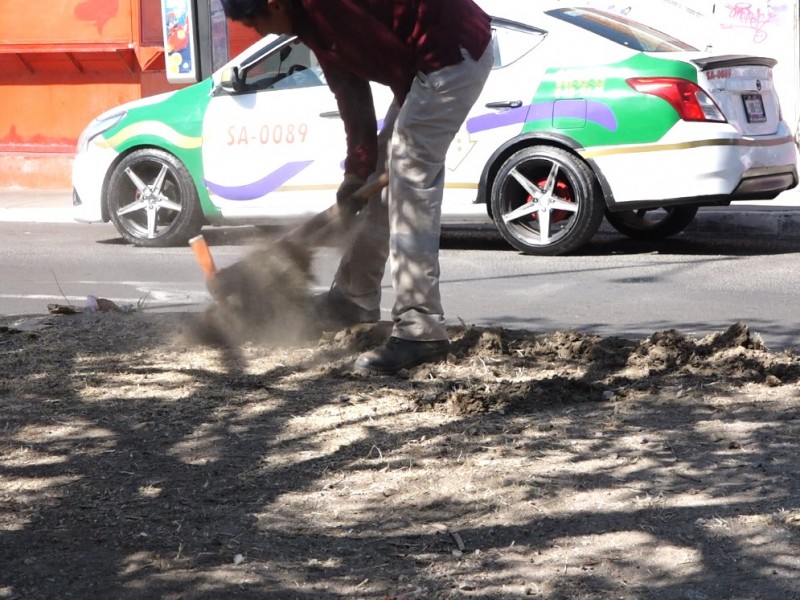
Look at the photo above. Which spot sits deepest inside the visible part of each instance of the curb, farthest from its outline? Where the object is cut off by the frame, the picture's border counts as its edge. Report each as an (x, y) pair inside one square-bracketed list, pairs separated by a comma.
[(773, 222), (750, 221), (36, 215), (36, 206)]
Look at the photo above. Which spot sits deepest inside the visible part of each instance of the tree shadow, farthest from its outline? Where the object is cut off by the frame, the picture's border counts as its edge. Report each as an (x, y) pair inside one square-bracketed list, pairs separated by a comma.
[(133, 467)]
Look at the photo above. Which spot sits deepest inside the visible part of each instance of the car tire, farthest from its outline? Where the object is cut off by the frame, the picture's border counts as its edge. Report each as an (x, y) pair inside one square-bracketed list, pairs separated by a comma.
[(152, 200), (546, 201), (652, 224)]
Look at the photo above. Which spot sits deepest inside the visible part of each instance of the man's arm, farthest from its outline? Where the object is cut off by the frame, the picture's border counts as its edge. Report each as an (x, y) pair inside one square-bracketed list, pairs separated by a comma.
[(356, 106)]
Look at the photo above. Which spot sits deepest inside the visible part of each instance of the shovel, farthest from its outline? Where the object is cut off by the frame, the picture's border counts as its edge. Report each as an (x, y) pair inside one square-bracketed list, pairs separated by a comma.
[(336, 219), (266, 294)]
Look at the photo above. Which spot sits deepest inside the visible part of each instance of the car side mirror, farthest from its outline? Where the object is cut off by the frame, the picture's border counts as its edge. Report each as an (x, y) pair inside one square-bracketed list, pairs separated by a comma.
[(231, 81)]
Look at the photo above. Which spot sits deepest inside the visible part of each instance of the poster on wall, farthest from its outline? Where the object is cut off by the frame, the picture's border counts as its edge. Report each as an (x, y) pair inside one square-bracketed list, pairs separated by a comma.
[(180, 54)]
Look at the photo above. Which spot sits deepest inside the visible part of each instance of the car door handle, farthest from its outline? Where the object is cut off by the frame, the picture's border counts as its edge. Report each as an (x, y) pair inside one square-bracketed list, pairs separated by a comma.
[(505, 104), (331, 114)]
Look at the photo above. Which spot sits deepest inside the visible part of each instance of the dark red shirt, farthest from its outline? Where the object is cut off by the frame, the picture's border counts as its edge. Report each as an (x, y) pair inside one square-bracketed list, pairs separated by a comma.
[(388, 42)]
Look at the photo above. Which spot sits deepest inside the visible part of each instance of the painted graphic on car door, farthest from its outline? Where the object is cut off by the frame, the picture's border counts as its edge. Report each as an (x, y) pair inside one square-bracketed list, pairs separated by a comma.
[(275, 148)]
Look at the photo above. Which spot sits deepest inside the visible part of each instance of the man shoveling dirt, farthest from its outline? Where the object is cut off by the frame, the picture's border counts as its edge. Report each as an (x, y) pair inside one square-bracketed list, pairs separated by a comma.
[(265, 297), (435, 55)]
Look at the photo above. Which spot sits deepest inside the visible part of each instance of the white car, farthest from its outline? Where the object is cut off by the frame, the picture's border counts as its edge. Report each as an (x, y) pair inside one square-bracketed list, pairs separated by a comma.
[(585, 114)]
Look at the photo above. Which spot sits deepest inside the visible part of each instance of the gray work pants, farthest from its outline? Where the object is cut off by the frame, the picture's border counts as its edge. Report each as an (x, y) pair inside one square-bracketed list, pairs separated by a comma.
[(404, 225)]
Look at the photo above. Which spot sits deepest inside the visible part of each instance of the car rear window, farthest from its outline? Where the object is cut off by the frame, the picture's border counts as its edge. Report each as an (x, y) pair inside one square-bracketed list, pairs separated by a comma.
[(620, 30)]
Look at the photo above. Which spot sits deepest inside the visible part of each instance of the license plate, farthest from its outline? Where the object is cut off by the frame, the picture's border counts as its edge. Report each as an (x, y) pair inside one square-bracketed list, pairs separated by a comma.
[(754, 108)]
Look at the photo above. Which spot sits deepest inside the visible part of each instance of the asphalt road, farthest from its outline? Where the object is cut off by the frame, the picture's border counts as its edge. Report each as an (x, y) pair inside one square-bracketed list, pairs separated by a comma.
[(696, 283)]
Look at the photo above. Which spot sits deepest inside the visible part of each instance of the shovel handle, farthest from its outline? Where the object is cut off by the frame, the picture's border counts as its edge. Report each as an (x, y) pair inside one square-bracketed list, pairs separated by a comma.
[(366, 191), (306, 231), (203, 255), (222, 284)]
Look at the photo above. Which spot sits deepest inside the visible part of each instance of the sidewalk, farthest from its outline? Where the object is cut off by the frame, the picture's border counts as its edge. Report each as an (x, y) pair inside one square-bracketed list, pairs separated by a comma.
[(36, 206), (776, 218)]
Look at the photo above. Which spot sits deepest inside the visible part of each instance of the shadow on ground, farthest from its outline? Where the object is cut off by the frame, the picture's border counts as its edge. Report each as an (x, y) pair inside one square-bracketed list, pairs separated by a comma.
[(557, 465)]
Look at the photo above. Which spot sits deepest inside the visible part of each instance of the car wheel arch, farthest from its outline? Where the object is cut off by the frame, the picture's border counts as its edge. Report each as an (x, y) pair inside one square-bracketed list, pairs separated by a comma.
[(526, 140), (605, 187)]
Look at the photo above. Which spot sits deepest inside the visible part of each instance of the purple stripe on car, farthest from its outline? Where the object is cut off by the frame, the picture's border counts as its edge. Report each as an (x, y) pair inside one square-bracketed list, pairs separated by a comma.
[(259, 188), (597, 112), (591, 110), (512, 116)]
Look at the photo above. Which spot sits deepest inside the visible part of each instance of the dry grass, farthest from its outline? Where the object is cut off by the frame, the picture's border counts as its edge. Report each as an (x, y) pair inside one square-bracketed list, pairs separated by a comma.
[(554, 465)]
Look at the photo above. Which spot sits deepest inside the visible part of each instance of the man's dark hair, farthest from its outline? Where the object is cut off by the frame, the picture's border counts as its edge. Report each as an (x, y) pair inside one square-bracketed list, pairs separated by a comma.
[(237, 10)]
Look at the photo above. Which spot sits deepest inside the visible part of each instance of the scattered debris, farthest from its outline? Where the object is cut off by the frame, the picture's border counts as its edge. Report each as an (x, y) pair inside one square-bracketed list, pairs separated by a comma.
[(27, 325), (95, 304), (63, 309)]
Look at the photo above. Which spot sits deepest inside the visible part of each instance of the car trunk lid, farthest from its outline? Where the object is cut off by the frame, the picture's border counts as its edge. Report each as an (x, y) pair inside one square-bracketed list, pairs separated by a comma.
[(743, 88)]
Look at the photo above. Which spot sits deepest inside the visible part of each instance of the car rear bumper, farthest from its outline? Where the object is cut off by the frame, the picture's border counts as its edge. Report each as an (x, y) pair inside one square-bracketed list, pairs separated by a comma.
[(765, 183), (717, 169)]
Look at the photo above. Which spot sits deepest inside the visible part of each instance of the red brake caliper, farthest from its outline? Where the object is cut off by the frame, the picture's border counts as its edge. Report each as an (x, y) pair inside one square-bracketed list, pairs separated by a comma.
[(563, 192)]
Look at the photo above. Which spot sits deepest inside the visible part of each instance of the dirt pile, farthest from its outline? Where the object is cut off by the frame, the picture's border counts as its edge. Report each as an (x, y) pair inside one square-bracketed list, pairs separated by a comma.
[(552, 465), (265, 297)]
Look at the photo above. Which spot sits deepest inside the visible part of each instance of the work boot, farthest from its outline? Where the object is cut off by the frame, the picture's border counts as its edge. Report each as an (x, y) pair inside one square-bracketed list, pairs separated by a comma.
[(333, 310), (397, 354)]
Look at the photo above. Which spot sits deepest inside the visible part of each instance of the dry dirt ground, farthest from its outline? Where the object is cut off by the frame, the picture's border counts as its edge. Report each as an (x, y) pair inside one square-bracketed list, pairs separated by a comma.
[(558, 465)]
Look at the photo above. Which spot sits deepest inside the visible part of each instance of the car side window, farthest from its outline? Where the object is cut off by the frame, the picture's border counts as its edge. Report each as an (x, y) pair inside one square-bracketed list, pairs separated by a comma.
[(291, 66), (512, 41)]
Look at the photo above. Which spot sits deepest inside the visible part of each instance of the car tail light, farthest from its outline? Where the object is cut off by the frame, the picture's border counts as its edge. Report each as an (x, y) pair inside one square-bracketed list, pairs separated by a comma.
[(686, 97)]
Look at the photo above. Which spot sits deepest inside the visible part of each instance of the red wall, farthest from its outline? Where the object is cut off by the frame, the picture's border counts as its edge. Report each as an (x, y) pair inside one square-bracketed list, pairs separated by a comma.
[(62, 62)]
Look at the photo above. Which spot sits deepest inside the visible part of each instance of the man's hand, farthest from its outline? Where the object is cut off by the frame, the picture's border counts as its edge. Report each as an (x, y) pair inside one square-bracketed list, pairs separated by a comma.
[(344, 196)]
